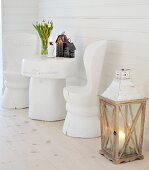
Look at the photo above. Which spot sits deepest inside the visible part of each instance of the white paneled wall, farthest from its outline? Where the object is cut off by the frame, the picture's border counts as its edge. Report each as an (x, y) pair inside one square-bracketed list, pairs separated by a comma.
[(124, 23), (18, 15)]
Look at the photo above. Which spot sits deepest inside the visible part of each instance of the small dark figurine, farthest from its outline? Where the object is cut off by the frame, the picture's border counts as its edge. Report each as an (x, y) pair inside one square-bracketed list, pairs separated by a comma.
[(69, 49), (64, 47)]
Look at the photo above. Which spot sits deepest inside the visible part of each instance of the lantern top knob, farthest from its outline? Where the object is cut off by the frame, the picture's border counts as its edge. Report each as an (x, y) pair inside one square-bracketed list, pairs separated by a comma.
[(122, 88)]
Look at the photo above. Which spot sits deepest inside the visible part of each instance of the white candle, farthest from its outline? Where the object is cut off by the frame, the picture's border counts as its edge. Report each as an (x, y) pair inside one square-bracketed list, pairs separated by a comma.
[(121, 139)]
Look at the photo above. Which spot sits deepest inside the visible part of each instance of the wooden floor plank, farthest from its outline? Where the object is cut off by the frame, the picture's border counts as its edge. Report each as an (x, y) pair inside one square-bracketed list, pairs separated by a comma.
[(27, 144)]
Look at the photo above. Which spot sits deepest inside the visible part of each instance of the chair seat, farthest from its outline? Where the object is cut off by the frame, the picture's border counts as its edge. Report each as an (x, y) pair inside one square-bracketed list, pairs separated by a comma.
[(15, 80), (79, 95), (88, 111), (77, 90), (16, 75)]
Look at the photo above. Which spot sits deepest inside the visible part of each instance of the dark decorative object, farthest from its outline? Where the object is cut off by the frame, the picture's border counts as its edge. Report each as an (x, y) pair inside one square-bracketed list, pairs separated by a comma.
[(64, 47)]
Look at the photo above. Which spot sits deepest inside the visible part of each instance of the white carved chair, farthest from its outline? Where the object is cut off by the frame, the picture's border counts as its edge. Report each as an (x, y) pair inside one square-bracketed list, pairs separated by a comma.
[(16, 47), (82, 103)]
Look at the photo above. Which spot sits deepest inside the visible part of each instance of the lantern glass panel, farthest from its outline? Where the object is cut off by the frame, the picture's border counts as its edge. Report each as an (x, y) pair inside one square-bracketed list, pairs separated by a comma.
[(129, 124), (135, 109), (108, 123)]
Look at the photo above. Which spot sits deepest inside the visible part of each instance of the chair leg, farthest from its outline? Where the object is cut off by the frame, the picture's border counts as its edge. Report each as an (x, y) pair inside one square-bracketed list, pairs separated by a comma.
[(76, 125), (15, 98)]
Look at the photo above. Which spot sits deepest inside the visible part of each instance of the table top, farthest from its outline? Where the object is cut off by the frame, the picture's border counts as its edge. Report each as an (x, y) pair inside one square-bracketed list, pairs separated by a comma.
[(44, 67)]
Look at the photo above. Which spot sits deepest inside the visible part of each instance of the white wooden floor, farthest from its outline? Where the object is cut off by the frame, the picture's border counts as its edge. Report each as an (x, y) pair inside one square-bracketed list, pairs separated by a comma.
[(36, 145)]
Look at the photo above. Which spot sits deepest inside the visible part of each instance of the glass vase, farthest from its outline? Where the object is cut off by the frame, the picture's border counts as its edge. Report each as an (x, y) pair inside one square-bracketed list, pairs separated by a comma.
[(44, 47)]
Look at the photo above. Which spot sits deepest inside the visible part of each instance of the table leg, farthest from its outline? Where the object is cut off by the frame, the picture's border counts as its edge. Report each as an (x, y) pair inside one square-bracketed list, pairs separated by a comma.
[(46, 101)]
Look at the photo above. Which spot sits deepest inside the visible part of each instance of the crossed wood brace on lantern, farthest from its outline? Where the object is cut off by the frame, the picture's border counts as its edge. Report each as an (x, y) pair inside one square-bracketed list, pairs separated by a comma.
[(122, 126)]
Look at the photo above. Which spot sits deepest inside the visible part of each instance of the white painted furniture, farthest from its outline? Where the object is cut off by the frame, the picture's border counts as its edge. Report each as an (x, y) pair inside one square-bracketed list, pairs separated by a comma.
[(16, 47), (48, 78), (82, 105)]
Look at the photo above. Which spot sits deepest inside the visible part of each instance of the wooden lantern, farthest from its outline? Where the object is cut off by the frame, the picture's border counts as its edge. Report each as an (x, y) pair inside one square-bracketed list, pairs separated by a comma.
[(122, 112)]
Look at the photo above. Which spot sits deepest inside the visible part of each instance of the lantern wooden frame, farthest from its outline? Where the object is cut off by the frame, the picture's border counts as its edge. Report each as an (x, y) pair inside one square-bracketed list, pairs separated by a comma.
[(110, 131)]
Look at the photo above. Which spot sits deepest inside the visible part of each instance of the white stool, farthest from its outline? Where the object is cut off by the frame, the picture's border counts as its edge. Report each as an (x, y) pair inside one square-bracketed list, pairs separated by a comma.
[(48, 78)]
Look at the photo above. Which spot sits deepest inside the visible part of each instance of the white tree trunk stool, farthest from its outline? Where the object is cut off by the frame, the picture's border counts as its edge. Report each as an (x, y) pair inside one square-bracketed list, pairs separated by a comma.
[(48, 78)]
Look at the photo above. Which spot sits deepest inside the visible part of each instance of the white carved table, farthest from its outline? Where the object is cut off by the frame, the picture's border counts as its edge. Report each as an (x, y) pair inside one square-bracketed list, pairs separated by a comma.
[(48, 78)]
